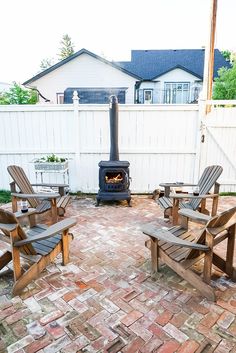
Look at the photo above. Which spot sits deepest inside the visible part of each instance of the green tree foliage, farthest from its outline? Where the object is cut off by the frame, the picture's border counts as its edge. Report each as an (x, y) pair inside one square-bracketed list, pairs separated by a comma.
[(67, 48), (18, 95), (225, 84), (46, 63), (226, 54)]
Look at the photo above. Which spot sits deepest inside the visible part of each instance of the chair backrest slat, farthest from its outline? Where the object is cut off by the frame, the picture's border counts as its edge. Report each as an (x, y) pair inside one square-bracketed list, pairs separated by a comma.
[(7, 217), (206, 182), (18, 175)]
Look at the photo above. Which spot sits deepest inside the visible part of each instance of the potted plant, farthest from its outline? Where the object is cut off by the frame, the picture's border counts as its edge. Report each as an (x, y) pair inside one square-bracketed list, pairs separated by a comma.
[(51, 162)]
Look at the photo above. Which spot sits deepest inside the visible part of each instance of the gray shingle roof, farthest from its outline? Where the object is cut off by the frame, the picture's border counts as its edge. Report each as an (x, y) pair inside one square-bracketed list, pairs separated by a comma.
[(150, 64)]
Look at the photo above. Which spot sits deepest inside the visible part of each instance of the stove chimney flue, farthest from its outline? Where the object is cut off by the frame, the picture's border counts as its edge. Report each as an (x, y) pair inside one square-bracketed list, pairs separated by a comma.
[(113, 113)]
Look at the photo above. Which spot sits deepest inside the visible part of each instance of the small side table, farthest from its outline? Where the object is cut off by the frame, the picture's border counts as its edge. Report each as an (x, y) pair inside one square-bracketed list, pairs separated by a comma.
[(167, 187), (30, 214)]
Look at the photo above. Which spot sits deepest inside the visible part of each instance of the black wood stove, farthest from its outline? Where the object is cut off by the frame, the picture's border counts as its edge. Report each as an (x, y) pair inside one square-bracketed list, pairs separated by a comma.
[(114, 176)]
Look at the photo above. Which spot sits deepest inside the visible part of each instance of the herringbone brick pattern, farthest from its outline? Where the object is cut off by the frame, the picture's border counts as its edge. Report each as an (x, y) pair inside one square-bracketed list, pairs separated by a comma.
[(107, 300)]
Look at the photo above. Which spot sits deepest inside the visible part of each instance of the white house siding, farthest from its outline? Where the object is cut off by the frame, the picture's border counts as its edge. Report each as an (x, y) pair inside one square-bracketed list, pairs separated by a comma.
[(84, 71), (158, 86), (177, 75)]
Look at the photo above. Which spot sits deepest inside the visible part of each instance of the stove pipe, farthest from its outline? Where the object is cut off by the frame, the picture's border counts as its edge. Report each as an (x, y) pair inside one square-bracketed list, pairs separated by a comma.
[(113, 113)]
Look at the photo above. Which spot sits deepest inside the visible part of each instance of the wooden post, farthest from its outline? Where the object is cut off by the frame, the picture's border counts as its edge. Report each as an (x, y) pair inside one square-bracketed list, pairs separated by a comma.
[(209, 57)]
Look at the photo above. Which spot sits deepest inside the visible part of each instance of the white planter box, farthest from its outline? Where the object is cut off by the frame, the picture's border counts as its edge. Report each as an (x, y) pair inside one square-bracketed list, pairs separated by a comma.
[(50, 166)]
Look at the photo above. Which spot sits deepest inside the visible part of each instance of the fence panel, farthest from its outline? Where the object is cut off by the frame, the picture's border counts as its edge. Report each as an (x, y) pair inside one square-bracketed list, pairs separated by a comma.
[(161, 142), (219, 146)]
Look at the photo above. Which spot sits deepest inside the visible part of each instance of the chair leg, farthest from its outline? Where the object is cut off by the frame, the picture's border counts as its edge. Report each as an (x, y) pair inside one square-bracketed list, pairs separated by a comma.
[(35, 269), (189, 276), (208, 259), (65, 247), (154, 254), (5, 259), (230, 251)]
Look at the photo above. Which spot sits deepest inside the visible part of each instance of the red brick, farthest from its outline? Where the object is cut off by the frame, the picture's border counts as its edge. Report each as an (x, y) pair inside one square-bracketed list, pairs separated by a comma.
[(106, 332), (141, 331), (169, 347), (226, 320), (134, 346), (123, 305), (55, 330), (174, 308), (163, 318), (69, 296), (130, 318), (207, 333), (179, 319), (17, 316), (130, 295), (210, 319), (50, 317), (159, 332), (38, 344), (188, 347), (227, 306), (151, 345)]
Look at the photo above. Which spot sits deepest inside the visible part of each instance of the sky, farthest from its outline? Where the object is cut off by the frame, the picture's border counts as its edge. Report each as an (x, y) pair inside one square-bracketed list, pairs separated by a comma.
[(32, 30)]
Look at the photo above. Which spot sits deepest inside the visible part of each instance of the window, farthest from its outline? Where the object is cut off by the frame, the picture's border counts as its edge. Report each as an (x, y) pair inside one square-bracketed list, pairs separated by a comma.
[(147, 96), (60, 98), (176, 93)]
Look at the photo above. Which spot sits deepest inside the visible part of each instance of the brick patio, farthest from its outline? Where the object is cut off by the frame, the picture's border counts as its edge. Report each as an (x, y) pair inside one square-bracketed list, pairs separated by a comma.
[(107, 300)]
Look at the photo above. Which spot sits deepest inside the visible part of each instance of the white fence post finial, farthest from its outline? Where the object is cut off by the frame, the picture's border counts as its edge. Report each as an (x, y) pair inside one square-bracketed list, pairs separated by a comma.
[(75, 98)]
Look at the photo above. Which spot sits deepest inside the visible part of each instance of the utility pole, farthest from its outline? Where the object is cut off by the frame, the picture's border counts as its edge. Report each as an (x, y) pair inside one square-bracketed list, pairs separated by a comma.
[(209, 57)]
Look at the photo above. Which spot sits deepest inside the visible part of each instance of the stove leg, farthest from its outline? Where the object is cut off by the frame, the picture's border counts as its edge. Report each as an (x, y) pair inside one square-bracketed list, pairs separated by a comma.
[(97, 203), (129, 203)]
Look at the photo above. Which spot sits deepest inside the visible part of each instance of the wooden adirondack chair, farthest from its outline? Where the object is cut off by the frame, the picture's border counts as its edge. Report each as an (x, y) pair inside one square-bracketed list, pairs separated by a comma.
[(42, 202), (181, 249), (173, 202), (41, 244)]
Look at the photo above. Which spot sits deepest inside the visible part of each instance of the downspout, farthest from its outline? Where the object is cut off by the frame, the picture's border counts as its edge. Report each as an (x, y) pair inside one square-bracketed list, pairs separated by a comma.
[(137, 86), (39, 93)]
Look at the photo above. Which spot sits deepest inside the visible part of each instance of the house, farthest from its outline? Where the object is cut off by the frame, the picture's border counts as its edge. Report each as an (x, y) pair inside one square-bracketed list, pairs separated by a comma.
[(4, 86), (150, 77)]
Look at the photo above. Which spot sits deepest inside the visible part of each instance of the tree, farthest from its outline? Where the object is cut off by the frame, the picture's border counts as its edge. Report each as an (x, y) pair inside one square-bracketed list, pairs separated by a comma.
[(225, 83), (46, 63), (67, 48), (226, 54), (229, 56), (18, 95)]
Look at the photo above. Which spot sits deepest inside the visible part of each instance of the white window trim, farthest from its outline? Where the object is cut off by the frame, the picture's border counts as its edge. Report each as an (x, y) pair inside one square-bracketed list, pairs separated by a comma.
[(60, 98), (147, 90), (171, 91)]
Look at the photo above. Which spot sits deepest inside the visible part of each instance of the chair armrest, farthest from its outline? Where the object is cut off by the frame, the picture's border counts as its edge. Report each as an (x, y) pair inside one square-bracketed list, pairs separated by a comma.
[(48, 195), (51, 231), (194, 215), (20, 214), (191, 196), (168, 237), (52, 185), (8, 227)]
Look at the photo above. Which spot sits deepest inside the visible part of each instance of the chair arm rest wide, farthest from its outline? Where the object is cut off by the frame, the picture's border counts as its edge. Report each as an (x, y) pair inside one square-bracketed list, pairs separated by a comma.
[(194, 215), (191, 196), (52, 185), (8, 227), (168, 237), (46, 195), (51, 231)]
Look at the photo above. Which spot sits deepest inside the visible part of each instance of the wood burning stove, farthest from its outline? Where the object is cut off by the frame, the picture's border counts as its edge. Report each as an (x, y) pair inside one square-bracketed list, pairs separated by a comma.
[(114, 179)]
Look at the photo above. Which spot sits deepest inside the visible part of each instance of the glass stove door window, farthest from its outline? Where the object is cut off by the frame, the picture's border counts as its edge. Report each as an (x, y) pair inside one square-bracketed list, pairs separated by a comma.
[(147, 96), (176, 93)]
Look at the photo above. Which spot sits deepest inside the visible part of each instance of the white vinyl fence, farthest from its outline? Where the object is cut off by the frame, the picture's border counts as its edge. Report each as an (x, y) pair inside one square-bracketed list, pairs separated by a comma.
[(161, 142)]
